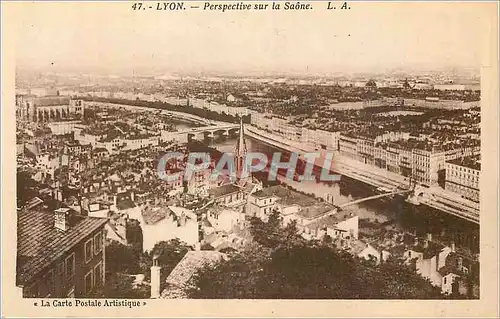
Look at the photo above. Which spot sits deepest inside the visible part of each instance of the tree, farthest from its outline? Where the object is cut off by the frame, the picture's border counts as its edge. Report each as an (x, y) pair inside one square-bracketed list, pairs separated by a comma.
[(26, 187), (169, 253), (134, 234), (280, 265), (121, 286), (122, 258), (271, 234)]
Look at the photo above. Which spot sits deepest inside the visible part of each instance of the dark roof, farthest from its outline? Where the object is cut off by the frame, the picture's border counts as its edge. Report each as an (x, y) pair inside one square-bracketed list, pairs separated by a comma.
[(330, 220), (100, 149), (39, 243), (125, 204), (473, 162), (276, 190), (179, 278), (446, 270), (33, 203), (288, 197), (223, 190), (206, 223), (153, 215), (452, 263)]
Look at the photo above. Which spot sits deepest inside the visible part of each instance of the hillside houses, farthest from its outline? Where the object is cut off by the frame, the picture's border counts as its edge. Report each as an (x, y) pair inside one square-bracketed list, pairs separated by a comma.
[(443, 266), (313, 218)]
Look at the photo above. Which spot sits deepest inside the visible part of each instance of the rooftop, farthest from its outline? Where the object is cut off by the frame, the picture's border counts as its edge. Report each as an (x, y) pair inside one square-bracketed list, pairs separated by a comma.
[(125, 204), (447, 269), (181, 275), (331, 220), (473, 162), (223, 190), (39, 243), (429, 249), (51, 101), (287, 196), (316, 210), (153, 215)]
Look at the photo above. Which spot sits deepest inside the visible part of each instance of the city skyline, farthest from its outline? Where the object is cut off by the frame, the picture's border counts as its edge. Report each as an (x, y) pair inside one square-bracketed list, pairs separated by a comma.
[(258, 43)]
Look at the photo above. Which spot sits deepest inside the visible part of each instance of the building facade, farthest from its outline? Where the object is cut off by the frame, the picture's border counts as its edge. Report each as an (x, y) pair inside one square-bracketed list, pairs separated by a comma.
[(60, 253), (462, 177), (48, 108)]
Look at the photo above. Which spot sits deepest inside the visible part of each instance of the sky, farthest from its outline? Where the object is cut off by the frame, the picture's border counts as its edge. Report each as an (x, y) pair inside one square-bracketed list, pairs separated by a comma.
[(370, 37)]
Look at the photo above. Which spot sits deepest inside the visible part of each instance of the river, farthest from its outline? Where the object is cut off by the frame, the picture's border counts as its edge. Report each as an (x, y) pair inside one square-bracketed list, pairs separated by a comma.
[(391, 213), (394, 213)]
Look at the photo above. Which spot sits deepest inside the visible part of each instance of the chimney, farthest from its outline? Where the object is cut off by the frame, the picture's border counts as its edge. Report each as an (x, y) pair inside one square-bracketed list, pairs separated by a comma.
[(115, 199), (132, 196), (61, 219), (155, 278), (452, 246)]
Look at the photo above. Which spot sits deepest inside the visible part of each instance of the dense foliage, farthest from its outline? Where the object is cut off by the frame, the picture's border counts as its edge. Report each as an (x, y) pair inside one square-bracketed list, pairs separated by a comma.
[(282, 265), (201, 112), (124, 262), (26, 187)]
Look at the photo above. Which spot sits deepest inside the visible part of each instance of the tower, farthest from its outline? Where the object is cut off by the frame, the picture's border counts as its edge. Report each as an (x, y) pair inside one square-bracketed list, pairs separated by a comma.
[(240, 153)]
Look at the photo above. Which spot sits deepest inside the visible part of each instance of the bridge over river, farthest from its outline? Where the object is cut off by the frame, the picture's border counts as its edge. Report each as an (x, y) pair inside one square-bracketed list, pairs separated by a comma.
[(202, 132), (436, 198), (361, 200)]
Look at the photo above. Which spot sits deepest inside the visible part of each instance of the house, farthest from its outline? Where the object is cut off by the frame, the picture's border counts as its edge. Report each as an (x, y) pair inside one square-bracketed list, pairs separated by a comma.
[(97, 210), (100, 152), (262, 202), (370, 251), (114, 234), (221, 240), (340, 225), (116, 228), (60, 253), (162, 223), (223, 219), (231, 194), (313, 218), (441, 265)]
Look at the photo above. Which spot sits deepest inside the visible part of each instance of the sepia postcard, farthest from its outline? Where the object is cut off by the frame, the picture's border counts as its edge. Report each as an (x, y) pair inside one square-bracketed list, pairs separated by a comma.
[(249, 159)]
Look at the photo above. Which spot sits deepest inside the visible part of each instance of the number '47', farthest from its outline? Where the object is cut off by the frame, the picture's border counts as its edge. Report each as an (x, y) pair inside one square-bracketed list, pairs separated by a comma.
[(137, 6)]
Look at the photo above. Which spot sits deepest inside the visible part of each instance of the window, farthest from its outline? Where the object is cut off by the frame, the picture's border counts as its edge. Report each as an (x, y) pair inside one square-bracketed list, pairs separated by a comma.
[(444, 280), (98, 243), (88, 250), (88, 282), (98, 275), (70, 267)]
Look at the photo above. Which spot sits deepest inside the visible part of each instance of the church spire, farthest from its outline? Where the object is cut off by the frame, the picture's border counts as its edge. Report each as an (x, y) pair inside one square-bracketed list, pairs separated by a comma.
[(240, 151)]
